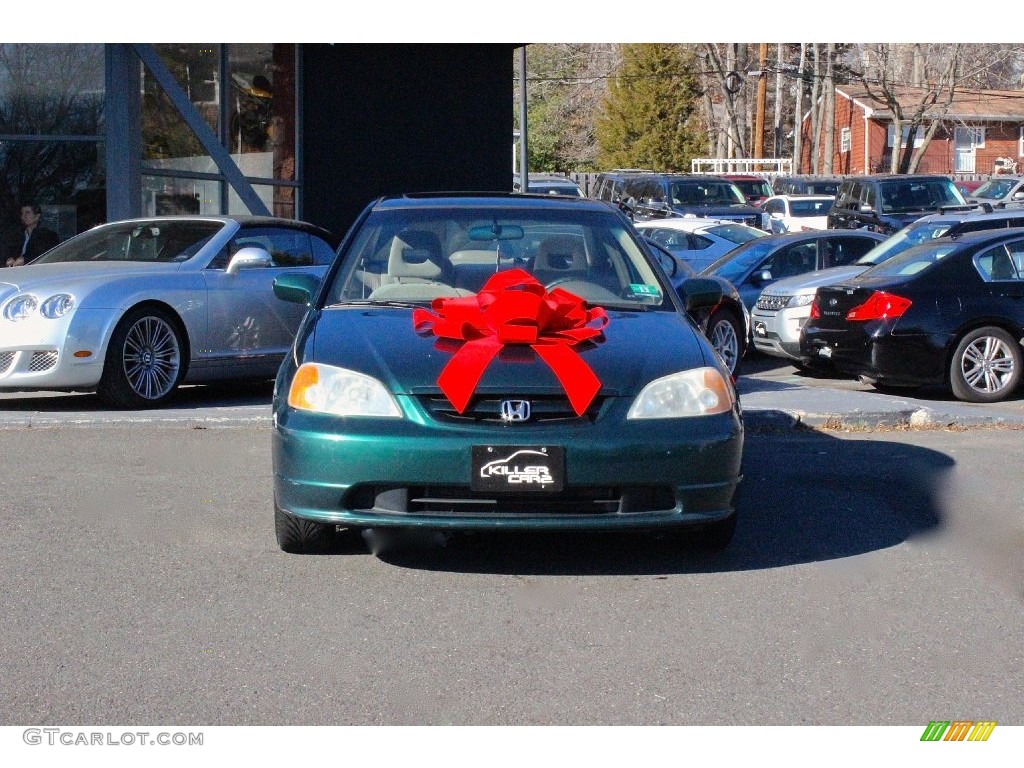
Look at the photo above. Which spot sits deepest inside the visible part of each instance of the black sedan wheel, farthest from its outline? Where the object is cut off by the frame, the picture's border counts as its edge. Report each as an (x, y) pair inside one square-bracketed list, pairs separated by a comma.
[(144, 360), (725, 332), (986, 366)]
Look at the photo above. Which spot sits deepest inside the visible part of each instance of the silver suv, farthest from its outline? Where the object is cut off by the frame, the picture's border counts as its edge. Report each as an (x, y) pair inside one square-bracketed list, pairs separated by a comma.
[(783, 307)]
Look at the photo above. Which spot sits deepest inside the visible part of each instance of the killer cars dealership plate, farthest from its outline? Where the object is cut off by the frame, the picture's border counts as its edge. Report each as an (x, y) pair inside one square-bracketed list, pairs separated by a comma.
[(501, 362)]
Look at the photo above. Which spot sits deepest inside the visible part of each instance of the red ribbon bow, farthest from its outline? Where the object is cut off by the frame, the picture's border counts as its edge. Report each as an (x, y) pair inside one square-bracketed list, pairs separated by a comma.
[(513, 308)]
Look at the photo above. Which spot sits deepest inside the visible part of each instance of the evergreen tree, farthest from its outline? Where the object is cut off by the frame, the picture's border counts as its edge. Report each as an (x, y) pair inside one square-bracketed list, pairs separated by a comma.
[(651, 116)]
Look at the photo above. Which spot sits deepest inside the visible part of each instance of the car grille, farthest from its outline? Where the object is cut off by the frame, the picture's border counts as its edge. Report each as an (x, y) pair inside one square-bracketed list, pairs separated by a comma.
[(42, 361), (772, 303), (459, 501), (543, 409), (6, 358)]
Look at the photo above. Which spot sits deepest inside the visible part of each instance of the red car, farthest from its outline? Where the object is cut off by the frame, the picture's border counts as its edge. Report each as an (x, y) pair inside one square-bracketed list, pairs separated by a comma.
[(755, 188)]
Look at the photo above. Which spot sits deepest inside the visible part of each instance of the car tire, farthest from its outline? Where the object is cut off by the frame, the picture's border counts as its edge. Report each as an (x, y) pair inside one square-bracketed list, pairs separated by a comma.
[(301, 537), (986, 366), (145, 360), (725, 332)]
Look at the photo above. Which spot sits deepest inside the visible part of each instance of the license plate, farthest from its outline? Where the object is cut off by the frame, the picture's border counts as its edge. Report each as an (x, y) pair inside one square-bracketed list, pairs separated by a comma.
[(825, 352), (760, 330), (518, 468)]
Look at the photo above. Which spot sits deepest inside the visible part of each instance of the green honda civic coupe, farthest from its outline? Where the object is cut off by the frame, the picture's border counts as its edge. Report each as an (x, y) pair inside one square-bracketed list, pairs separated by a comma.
[(501, 362)]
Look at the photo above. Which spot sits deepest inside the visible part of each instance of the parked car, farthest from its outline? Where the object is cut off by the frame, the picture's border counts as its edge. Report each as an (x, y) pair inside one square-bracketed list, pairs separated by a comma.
[(888, 203), (132, 309), (784, 307), (548, 184), (753, 266), (727, 325), (698, 241), (755, 189), (967, 186), (948, 312), (806, 185), (664, 195), (999, 190), (795, 213), (611, 185), (439, 384)]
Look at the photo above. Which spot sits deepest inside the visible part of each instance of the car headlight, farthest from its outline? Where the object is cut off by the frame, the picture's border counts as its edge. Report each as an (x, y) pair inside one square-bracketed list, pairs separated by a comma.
[(21, 307), (800, 300), (326, 389), (697, 392), (57, 305)]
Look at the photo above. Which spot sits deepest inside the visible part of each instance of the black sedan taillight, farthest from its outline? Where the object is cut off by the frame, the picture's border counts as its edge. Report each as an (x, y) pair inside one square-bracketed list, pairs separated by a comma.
[(879, 306)]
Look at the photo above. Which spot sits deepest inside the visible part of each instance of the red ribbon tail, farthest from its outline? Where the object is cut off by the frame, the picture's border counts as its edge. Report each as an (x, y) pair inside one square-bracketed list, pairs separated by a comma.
[(575, 376), (459, 378)]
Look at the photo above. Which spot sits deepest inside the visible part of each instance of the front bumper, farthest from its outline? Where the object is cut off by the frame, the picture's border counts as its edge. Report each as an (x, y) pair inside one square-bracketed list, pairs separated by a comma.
[(40, 354), (401, 473), (778, 333)]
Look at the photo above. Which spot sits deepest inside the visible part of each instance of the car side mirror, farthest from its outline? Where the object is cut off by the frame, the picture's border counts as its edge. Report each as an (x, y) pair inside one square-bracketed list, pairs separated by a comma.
[(760, 278), (250, 257), (700, 293), (1018, 195), (296, 287)]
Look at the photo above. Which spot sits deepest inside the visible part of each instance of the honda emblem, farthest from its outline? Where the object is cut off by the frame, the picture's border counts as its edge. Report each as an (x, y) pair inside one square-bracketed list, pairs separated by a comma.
[(515, 410)]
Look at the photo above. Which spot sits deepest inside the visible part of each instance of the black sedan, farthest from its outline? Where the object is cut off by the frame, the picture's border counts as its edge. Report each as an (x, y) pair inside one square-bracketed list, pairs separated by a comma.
[(950, 312)]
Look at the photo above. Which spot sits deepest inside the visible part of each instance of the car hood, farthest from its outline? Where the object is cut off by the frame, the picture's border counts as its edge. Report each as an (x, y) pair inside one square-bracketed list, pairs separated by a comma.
[(381, 342), (814, 280), (72, 276)]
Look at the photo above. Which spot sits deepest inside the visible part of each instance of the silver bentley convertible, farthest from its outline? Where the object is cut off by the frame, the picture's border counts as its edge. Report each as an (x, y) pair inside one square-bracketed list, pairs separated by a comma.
[(132, 309)]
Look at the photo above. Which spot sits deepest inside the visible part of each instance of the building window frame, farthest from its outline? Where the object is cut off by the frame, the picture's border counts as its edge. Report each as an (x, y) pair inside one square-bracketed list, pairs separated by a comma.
[(845, 140)]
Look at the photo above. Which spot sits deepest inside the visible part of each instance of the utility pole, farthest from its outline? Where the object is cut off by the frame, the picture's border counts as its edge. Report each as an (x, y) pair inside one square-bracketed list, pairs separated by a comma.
[(762, 90)]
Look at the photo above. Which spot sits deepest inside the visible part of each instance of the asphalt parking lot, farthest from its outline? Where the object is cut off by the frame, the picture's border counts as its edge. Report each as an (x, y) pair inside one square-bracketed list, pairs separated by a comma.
[(774, 395)]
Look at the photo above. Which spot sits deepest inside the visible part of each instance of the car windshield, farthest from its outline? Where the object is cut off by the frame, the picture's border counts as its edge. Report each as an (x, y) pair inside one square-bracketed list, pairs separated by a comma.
[(736, 233), (810, 207), (995, 189), (753, 187), (706, 193), (911, 261), (919, 194), (735, 265), (420, 253), (908, 237), (152, 241)]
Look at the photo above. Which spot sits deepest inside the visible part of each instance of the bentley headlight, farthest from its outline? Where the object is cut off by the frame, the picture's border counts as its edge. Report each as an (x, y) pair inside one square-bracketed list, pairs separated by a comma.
[(20, 307), (800, 300), (697, 392), (326, 389), (57, 305)]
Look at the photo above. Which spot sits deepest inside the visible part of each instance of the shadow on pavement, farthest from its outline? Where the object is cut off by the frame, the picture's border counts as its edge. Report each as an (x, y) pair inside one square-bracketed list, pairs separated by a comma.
[(808, 498)]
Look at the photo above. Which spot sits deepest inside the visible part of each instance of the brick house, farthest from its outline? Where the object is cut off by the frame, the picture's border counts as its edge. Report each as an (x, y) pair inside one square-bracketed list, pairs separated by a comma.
[(979, 128)]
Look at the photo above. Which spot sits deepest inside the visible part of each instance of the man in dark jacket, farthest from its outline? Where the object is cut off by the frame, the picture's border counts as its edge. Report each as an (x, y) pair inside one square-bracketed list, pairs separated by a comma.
[(34, 239)]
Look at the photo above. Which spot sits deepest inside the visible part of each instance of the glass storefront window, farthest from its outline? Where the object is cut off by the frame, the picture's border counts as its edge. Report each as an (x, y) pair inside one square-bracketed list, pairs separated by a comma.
[(51, 103), (173, 195), (258, 92)]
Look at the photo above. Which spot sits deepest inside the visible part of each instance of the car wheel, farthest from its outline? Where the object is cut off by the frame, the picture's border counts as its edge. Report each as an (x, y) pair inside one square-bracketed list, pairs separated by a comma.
[(299, 536), (725, 332), (144, 360), (986, 366)]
